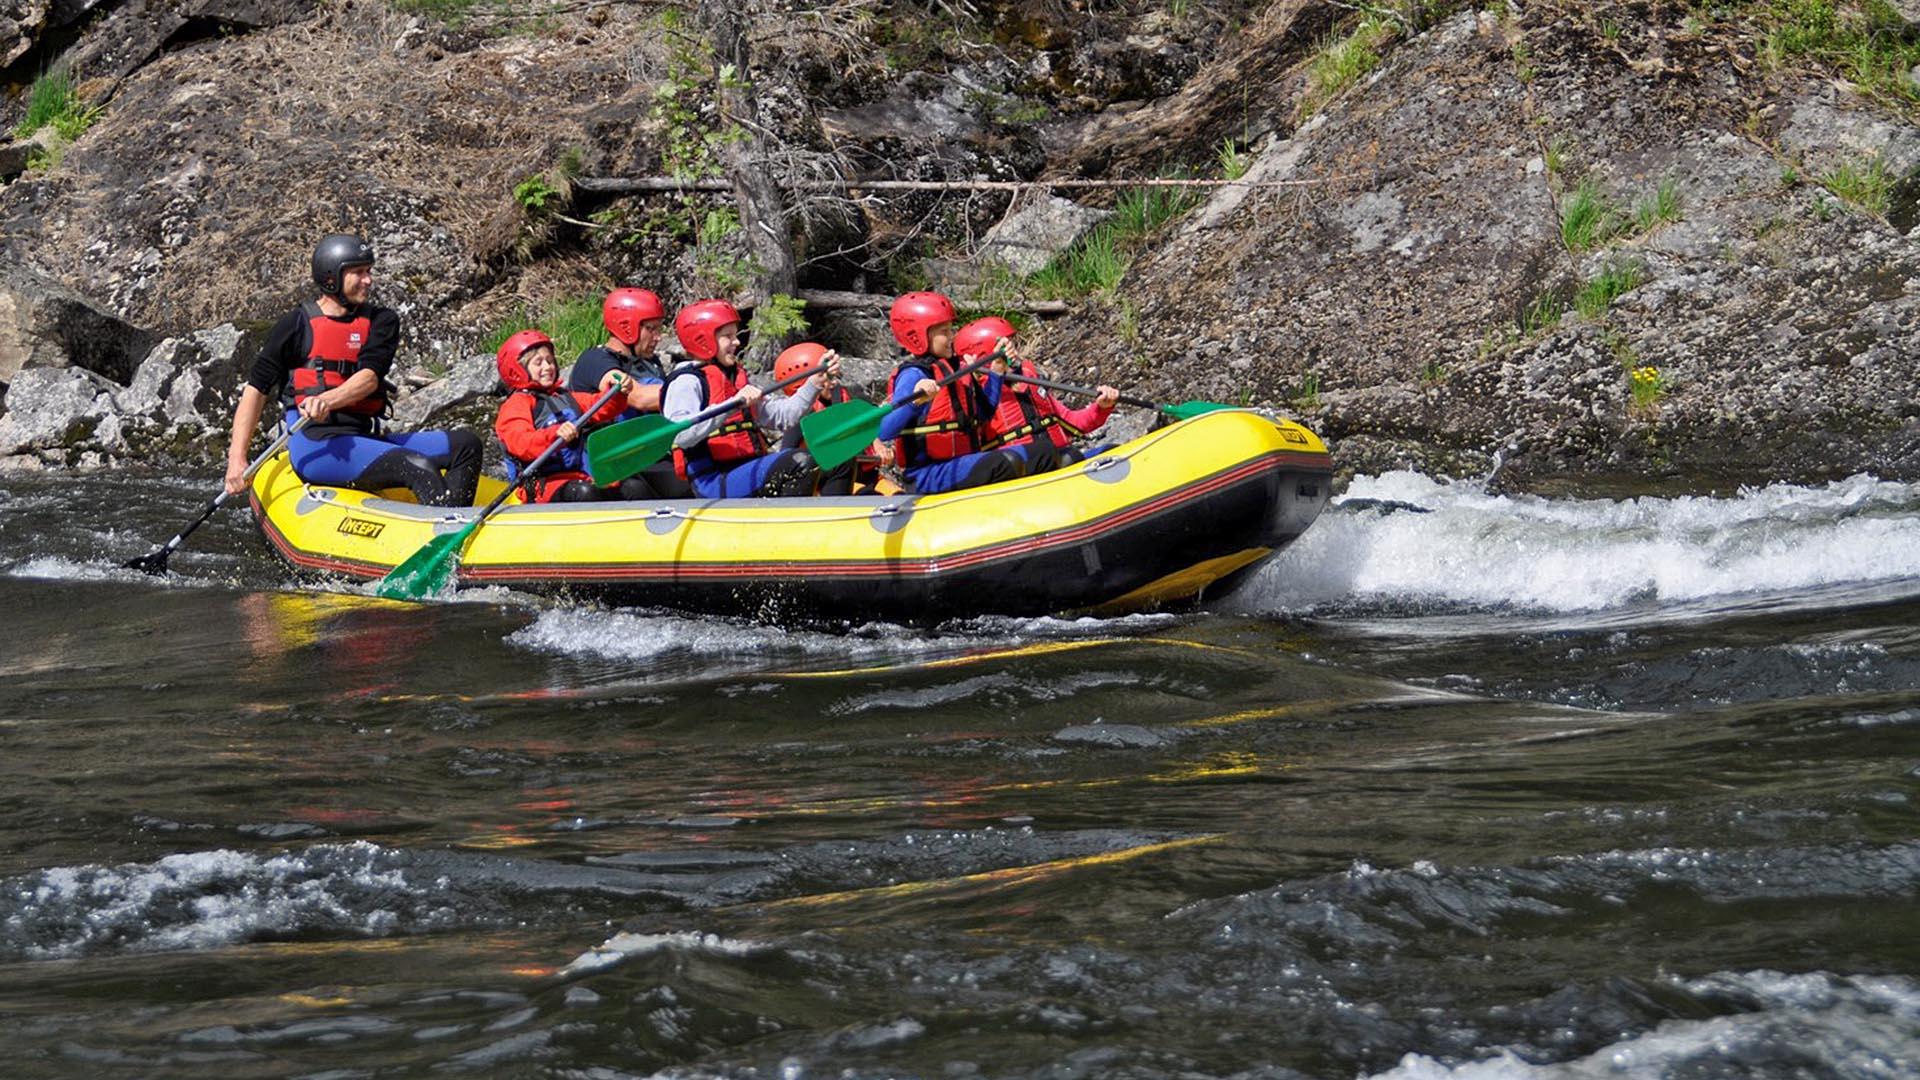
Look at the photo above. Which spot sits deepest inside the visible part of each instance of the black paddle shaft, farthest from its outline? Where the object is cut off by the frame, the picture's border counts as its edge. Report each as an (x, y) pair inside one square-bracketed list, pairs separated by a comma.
[(155, 561), (1069, 388), (734, 402), (533, 467)]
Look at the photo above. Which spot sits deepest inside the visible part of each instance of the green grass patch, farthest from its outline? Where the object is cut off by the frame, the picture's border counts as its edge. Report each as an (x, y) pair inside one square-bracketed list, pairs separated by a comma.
[(1094, 265), (54, 102), (1865, 41), (1659, 208), (1543, 314), (573, 324), (1234, 162), (1342, 61), (1868, 186), (1617, 278), (1587, 219)]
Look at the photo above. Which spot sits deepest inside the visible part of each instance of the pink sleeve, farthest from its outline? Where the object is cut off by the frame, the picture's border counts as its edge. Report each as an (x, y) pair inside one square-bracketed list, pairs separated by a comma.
[(1086, 418)]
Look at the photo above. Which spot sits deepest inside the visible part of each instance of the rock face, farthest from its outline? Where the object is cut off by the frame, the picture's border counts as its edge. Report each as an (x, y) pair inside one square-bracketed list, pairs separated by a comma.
[(1415, 300)]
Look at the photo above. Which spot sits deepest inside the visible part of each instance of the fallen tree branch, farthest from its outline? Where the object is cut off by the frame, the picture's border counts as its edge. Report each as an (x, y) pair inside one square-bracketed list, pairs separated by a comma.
[(636, 185), (835, 300)]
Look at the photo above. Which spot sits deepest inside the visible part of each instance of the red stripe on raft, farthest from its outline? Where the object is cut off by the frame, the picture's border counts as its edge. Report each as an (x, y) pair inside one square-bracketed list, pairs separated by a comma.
[(300, 558)]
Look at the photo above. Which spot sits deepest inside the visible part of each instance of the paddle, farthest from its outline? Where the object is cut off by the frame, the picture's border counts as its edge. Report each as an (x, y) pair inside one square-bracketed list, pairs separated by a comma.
[(620, 450), (426, 570), (840, 433), (155, 561), (1185, 410)]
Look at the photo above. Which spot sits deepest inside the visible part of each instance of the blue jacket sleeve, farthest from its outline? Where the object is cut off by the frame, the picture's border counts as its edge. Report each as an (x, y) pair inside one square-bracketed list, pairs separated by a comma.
[(901, 419)]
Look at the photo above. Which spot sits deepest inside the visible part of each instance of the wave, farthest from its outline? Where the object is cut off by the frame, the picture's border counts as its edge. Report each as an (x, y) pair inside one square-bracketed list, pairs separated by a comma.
[(1403, 538)]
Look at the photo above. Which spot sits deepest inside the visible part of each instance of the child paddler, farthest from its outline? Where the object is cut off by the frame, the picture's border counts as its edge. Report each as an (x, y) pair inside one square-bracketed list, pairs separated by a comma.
[(730, 456), (936, 439), (537, 411), (1029, 421), (863, 472)]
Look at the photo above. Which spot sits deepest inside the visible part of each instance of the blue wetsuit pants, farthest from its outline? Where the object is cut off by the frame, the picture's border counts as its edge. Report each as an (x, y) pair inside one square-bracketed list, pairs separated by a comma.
[(783, 472), (967, 470), (412, 460)]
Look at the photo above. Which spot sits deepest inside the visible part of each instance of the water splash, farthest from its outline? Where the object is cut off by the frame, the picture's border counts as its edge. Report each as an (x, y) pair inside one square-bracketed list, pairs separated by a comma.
[(1473, 549)]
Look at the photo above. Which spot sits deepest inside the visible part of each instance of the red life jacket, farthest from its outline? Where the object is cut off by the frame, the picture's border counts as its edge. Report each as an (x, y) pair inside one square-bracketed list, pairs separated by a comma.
[(551, 406), (333, 356), (952, 417), (738, 438), (838, 395), (1024, 412)]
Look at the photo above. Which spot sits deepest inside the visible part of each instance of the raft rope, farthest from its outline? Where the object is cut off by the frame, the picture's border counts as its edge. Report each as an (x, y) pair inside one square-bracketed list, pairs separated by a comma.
[(1094, 464)]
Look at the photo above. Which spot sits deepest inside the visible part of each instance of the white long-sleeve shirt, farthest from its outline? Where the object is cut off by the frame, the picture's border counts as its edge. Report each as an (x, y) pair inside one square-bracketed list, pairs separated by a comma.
[(774, 412)]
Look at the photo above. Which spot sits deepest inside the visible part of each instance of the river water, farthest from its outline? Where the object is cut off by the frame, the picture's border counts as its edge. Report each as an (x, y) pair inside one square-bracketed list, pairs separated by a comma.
[(1462, 785)]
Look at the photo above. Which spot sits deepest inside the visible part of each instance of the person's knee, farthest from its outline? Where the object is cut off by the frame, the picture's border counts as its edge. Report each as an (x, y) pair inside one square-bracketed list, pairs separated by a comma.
[(576, 491), (462, 446), (793, 474), (636, 489), (995, 467)]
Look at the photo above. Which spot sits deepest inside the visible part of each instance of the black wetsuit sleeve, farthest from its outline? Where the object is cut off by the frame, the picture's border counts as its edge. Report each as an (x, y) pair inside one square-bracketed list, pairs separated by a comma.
[(276, 356), (588, 369), (383, 340)]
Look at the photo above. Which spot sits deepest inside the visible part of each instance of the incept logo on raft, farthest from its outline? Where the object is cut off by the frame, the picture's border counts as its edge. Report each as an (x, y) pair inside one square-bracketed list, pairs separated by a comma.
[(360, 527)]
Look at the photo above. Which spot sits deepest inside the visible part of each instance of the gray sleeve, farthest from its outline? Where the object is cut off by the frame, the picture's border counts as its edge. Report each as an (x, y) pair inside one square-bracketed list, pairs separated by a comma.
[(683, 400), (780, 412)]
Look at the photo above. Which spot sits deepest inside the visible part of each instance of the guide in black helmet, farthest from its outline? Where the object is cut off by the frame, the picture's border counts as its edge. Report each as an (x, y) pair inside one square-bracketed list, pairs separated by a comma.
[(328, 360)]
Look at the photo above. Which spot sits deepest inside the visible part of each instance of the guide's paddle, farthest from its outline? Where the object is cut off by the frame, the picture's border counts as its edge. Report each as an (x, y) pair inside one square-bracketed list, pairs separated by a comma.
[(155, 561), (839, 433), (620, 450), (427, 570), (1185, 410)]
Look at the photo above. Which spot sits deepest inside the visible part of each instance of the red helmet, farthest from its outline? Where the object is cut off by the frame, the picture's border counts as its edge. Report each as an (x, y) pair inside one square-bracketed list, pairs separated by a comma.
[(625, 309), (796, 359), (512, 371), (916, 313), (978, 337), (696, 324)]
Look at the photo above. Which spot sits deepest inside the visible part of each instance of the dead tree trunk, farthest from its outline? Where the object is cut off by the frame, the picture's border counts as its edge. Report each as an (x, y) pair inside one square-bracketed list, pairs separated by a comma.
[(763, 208)]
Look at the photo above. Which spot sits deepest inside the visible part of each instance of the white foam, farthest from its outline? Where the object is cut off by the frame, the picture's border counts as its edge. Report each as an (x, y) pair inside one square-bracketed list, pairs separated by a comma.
[(727, 646), (199, 900), (58, 568), (1479, 550), (624, 946), (1839, 1026)]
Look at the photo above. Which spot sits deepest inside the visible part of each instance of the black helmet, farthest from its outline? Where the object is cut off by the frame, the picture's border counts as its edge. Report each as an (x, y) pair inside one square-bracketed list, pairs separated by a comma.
[(335, 253)]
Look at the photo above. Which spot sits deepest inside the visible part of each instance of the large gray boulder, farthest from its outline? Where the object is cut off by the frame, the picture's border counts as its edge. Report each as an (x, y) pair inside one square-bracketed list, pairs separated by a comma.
[(45, 324)]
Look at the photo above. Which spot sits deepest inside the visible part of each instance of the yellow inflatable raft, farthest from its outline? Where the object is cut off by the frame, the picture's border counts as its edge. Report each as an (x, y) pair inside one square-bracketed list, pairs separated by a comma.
[(1151, 523)]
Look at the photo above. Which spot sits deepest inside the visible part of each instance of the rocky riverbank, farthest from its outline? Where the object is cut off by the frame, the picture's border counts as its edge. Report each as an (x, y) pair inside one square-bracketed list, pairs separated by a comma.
[(1654, 243)]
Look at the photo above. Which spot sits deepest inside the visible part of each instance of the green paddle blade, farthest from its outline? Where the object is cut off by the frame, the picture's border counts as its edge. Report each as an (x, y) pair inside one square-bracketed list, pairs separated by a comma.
[(617, 452), (1187, 410), (839, 433), (426, 571)]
